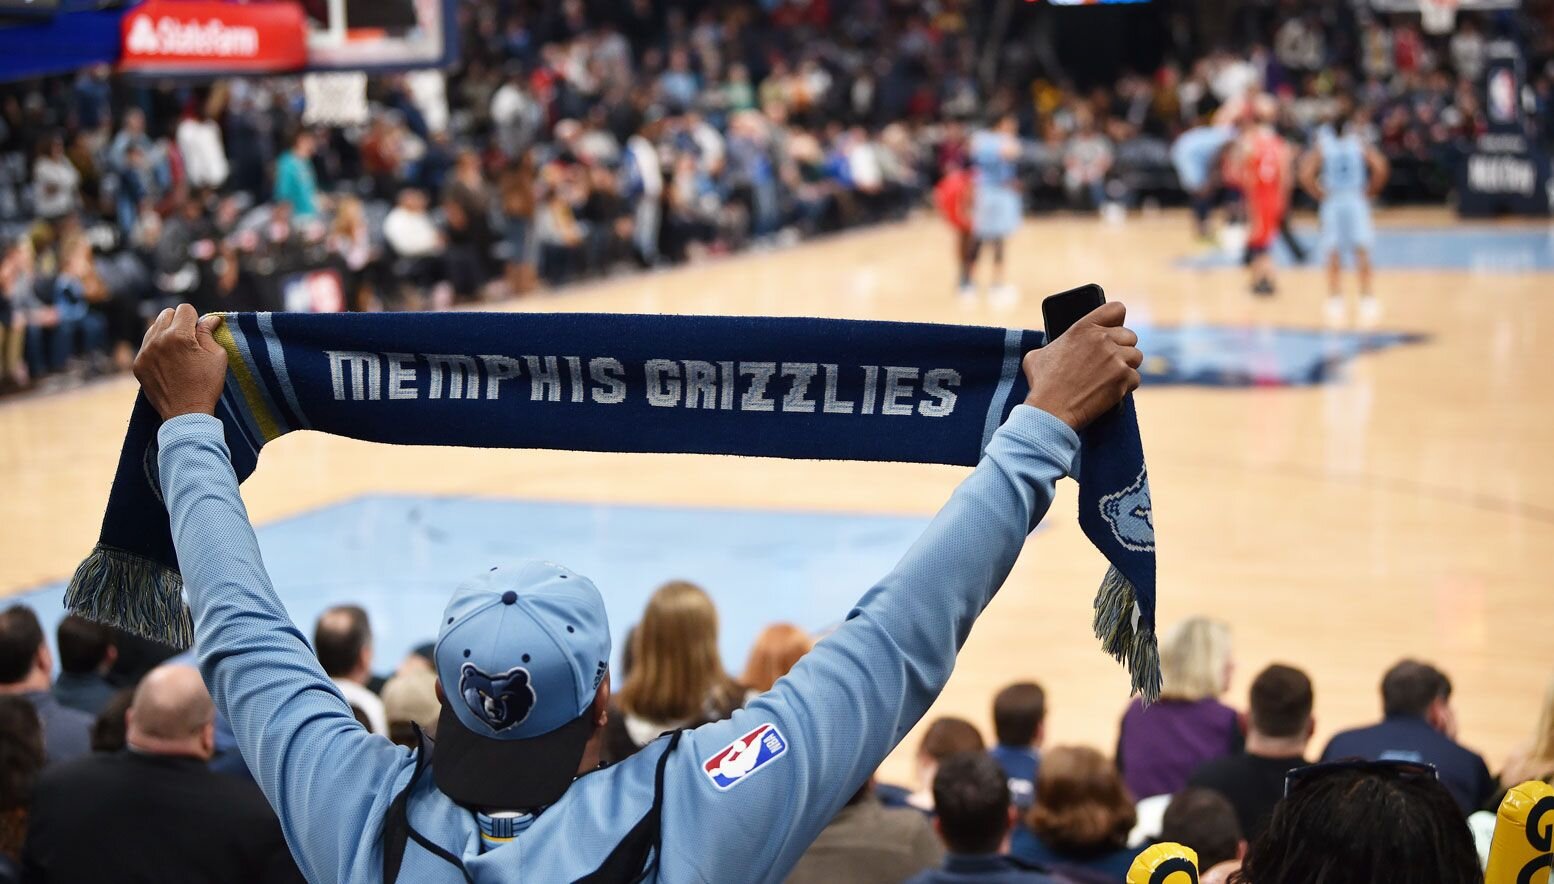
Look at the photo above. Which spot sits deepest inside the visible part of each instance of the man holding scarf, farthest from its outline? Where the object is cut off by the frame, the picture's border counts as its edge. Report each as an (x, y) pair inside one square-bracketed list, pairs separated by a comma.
[(514, 791)]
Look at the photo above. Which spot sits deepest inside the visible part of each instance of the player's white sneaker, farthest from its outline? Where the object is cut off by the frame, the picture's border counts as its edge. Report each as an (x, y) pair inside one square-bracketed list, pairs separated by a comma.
[(967, 292), (1333, 310), (1004, 295), (1370, 309)]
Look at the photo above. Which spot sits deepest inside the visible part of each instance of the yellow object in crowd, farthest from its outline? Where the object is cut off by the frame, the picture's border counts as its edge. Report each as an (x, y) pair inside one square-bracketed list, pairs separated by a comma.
[(1523, 847), (1167, 863)]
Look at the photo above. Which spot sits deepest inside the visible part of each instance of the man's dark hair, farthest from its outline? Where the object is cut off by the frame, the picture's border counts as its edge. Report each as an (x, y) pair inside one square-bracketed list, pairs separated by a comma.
[(1281, 702), (83, 644), (1361, 826), (948, 735), (109, 730), (971, 798), (21, 751), (1206, 821), (1018, 712), (1411, 686), (20, 638), (340, 637)]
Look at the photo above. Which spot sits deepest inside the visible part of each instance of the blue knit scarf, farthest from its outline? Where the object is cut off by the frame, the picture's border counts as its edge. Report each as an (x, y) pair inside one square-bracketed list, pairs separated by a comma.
[(824, 389)]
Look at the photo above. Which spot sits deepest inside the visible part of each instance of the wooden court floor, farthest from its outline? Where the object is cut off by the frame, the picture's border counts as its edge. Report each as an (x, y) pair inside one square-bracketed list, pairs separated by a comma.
[(1405, 509)]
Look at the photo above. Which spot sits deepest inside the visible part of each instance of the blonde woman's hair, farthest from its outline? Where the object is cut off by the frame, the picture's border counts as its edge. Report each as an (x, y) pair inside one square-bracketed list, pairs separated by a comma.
[(775, 651), (1543, 740), (1538, 763), (676, 672), (348, 214), (1194, 659)]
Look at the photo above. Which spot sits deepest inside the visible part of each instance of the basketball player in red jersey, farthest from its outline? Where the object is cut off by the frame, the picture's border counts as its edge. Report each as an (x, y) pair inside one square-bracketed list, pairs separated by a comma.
[(952, 197), (1266, 165)]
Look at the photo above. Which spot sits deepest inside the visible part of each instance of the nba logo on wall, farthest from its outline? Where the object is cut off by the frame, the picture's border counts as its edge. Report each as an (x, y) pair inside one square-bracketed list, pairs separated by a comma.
[(738, 760)]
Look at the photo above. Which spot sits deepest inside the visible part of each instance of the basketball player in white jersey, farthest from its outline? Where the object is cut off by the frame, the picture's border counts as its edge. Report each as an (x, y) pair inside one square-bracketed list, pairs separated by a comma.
[(1344, 172)]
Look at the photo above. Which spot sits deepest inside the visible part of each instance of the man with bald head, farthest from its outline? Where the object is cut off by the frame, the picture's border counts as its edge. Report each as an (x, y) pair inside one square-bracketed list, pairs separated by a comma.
[(343, 642), (154, 811)]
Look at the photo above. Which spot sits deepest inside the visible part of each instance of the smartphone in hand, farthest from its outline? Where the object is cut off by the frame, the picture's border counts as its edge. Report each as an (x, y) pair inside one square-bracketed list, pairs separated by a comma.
[(1060, 311)]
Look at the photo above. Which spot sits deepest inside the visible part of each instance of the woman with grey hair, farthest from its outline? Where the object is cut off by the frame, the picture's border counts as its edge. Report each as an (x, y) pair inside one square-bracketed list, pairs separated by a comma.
[(1160, 746)]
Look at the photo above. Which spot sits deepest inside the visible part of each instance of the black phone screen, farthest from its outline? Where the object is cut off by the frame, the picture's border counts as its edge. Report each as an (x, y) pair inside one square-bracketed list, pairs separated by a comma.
[(1059, 312)]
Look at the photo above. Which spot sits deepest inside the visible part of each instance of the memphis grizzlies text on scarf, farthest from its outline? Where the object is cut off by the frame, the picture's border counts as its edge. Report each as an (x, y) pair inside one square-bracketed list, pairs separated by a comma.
[(823, 389)]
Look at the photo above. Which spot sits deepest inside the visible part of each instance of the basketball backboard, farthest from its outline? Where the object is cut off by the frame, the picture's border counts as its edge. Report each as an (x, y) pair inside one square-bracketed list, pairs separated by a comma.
[(380, 35)]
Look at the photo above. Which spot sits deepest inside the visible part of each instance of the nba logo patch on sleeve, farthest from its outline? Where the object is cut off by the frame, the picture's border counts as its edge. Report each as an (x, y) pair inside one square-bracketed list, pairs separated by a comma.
[(735, 762)]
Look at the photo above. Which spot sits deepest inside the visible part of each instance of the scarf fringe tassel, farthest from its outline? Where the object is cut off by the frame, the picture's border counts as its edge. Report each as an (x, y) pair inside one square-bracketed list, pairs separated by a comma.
[(1128, 641), (134, 593)]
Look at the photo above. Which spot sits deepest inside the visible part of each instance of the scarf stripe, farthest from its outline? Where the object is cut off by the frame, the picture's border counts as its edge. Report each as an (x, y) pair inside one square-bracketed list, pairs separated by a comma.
[(237, 416), (995, 410), (272, 346), (254, 395), (258, 356)]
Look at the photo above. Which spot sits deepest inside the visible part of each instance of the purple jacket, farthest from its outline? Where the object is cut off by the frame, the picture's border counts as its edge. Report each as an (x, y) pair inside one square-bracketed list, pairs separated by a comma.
[(1160, 747)]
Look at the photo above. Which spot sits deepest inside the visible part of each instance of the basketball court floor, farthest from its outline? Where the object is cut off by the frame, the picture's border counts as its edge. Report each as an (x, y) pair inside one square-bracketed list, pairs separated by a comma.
[(1342, 497)]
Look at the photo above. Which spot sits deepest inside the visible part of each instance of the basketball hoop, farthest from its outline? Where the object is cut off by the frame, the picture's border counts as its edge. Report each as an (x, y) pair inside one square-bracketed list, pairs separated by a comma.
[(1438, 16), (335, 99)]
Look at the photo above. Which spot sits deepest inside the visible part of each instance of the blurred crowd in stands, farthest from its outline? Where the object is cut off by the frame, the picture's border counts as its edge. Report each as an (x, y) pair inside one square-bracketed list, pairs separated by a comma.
[(124, 743), (576, 140)]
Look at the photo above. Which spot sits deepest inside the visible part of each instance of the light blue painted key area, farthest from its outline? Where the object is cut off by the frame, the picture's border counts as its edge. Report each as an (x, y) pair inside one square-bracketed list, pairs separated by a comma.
[(400, 557)]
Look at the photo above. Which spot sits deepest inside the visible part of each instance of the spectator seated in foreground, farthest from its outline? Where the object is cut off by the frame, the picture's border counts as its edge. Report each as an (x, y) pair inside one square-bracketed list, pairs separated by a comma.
[(974, 817), (869, 843), (1019, 721), (1079, 825), (1360, 823), (1205, 821), (86, 653), (946, 736), (1160, 746), (676, 678), (1419, 726), (25, 668), (21, 760), (1279, 729), (343, 641), (410, 701), (155, 811), (1535, 759), (773, 654)]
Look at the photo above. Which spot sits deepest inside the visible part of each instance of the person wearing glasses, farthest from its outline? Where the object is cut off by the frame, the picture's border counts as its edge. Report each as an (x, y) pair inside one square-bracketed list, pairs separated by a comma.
[(1419, 726), (1359, 822)]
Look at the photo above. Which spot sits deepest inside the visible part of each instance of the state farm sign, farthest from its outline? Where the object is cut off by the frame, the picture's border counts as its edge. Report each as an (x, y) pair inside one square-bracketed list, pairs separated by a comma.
[(173, 36)]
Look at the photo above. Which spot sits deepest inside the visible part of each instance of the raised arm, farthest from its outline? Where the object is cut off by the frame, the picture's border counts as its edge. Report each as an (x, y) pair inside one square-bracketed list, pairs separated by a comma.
[(852, 699), (327, 778)]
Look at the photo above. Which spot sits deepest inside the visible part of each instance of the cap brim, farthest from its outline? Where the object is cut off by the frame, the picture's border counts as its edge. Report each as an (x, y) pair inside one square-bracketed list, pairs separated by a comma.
[(481, 772)]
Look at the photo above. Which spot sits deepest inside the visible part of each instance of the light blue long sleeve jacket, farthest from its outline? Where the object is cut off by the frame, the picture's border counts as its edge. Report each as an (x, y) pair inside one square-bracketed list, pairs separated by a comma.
[(840, 711)]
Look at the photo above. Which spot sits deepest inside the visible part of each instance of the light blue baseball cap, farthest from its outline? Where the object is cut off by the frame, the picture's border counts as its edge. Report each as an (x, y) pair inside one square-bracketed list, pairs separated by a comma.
[(520, 653)]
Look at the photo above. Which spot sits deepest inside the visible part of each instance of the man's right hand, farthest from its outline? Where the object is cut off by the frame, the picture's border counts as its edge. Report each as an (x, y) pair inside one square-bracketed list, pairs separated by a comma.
[(181, 368), (1087, 370)]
